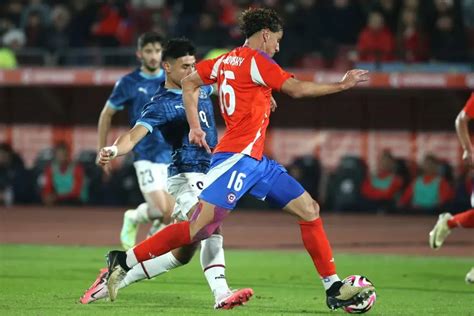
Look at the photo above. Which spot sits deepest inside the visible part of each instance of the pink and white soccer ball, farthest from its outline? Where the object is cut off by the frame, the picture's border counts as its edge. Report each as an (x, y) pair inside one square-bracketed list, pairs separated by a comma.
[(359, 280)]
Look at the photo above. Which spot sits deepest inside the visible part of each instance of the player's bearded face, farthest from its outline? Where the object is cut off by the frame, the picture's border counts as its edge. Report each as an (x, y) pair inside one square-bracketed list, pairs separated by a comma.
[(150, 56), (271, 44)]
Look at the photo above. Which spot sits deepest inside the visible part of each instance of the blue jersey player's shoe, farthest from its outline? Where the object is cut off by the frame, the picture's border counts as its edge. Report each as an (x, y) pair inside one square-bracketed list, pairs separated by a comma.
[(98, 289), (128, 234)]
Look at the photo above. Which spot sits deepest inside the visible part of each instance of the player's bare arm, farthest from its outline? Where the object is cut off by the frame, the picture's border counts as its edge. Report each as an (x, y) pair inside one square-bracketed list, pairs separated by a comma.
[(299, 89), (103, 127), (462, 131), (123, 145), (190, 85)]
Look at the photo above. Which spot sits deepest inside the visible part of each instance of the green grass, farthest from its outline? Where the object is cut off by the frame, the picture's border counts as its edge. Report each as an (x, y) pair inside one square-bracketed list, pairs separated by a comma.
[(47, 280)]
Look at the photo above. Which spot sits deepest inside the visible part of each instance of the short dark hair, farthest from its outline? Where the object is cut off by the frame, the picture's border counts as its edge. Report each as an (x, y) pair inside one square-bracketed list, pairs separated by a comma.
[(253, 20), (147, 38), (178, 47)]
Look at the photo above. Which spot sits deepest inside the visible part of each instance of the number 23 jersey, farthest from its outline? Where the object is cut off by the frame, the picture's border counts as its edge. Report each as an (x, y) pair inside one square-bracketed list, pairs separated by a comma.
[(245, 78)]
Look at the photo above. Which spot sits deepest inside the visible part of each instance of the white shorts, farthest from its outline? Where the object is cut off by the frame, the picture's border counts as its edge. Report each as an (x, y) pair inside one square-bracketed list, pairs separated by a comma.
[(185, 188), (151, 176), (472, 199)]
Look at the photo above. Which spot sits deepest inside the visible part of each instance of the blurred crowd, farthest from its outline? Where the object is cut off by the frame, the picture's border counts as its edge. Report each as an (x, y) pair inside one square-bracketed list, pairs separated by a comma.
[(397, 185), (320, 33)]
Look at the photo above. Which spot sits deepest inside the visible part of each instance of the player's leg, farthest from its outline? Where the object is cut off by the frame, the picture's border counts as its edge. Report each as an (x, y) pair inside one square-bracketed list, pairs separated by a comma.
[(287, 193), (446, 222), (225, 188), (213, 265), (206, 218), (152, 181)]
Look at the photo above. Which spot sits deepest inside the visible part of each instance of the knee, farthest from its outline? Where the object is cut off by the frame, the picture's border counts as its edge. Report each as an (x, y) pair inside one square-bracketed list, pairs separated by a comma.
[(310, 211), (185, 254), (201, 230)]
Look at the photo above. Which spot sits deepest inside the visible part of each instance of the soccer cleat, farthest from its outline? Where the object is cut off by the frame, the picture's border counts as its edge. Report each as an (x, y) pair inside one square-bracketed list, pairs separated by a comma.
[(116, 272), (98, 289), (234, 298), (128, 234), (440, 231), (343, 294), (156, 226), (470, 277)]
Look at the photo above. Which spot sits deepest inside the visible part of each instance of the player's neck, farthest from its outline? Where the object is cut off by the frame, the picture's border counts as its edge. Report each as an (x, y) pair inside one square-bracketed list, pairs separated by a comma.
[(149, 72), (254, 43), (171, 85)]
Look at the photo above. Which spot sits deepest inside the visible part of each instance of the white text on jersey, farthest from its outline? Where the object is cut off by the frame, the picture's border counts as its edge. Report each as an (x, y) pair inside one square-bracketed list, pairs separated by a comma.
[(233, 60)]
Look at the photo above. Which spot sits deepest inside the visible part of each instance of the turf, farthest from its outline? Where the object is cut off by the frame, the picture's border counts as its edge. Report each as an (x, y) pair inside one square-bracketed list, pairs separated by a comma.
[(47, 280)]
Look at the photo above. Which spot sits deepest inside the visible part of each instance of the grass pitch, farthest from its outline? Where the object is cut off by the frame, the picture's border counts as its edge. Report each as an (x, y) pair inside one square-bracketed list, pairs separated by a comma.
[(47, 280)]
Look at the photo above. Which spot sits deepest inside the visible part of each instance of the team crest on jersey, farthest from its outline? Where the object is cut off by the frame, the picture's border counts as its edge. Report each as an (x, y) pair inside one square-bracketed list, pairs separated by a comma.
[(231, 198), (202, 94)]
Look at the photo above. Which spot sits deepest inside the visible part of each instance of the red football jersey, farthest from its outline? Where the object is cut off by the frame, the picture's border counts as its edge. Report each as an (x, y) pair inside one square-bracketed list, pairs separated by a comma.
[(469, 107), (245, 79)]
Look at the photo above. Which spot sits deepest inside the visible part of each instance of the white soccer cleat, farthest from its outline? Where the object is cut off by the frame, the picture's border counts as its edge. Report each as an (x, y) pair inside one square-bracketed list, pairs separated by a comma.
[(115, 273), (440, 231), (470, 277)]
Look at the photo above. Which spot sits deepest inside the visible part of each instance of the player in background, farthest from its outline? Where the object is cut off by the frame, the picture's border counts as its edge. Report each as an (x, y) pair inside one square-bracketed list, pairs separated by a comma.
[(446, 221), (246, 77), (166, 113), (152, 155)]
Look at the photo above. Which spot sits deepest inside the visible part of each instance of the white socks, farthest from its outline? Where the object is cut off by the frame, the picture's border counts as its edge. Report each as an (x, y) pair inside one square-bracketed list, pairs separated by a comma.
[(330, 280), (150, 268), (213, 265)]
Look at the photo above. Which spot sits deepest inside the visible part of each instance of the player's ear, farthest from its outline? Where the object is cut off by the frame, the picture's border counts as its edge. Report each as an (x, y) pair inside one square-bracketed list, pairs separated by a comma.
[(265, 35), (166, 66), (138, 53)]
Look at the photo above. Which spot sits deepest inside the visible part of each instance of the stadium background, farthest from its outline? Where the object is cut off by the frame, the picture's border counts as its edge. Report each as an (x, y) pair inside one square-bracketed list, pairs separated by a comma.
[(60, 60)]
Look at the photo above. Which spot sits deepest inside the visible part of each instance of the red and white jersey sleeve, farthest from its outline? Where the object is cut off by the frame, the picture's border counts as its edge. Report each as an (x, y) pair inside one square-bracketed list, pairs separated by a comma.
[(245, 78), (207, 70), (266, 72), (469, 107)]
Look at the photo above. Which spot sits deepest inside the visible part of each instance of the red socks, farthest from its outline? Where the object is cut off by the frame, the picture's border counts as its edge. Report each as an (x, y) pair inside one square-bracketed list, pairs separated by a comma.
[(464, 219), (318, 247), (170, 237)]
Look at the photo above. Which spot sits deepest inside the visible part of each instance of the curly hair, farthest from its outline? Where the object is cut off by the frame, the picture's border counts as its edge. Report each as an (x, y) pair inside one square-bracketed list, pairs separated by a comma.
[(256, 19)]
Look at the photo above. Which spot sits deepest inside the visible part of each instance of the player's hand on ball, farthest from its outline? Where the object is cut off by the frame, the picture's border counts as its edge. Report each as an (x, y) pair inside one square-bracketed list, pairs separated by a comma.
[(106, 154), (198, 137), (353, 77)]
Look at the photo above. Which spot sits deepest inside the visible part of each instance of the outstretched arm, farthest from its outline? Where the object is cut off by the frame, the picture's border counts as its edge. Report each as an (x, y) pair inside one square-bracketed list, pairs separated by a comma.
[(462, 130), (190, 86), (299, 89), (123, 145)]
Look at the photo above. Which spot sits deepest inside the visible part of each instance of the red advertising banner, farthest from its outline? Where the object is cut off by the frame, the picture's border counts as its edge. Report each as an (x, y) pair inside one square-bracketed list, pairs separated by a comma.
[(107, 77)]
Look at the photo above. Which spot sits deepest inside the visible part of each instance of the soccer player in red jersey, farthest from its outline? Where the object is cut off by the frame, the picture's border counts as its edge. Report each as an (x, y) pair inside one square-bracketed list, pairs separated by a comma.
[(246, 77), (446, 221)]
